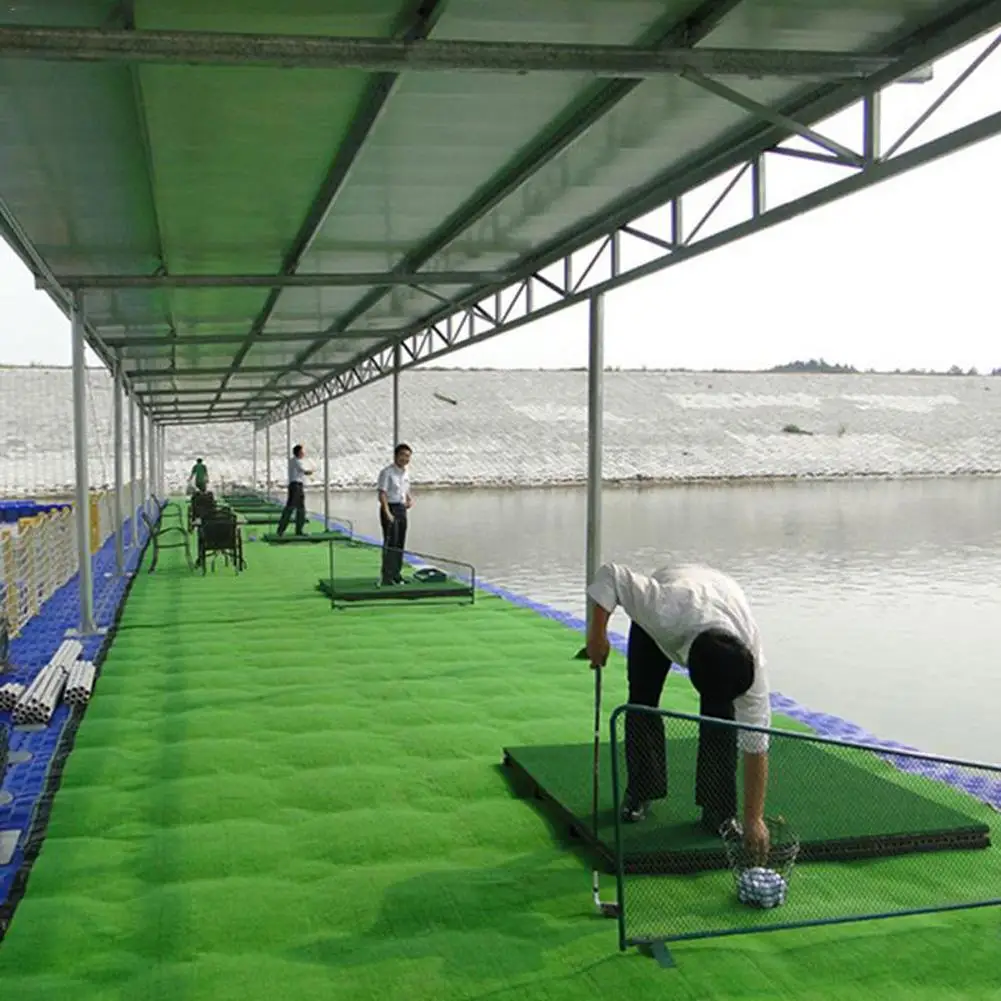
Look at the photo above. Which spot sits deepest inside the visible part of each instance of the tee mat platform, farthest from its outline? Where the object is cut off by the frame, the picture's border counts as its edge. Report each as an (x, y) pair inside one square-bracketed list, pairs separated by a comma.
[(353, 573), (803, 777)]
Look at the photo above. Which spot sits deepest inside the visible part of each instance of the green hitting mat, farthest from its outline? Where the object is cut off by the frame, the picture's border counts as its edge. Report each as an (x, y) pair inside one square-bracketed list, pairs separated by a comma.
[(369, 589), (841, 806), (309, 538)]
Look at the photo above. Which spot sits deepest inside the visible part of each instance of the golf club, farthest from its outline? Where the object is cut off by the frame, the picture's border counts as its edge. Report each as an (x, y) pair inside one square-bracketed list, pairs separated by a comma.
[(607, 909)]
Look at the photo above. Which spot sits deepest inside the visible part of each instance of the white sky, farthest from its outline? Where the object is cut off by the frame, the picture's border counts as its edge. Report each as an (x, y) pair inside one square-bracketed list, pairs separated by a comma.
[(902, 275)]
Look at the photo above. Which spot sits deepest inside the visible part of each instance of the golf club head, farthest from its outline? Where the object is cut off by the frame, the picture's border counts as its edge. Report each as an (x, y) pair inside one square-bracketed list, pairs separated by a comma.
[(581, 654), (608, 909)]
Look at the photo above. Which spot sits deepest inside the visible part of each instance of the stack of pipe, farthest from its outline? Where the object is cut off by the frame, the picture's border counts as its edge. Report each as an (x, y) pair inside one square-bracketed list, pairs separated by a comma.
[(80, 683), (38, 701), (9, 694)]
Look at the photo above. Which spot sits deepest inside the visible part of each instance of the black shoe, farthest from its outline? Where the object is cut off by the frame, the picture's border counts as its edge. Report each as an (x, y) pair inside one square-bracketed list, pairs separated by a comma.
[(633, 811)]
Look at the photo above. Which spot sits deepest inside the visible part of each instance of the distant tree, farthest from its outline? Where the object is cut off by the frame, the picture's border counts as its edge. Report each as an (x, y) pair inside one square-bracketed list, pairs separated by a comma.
[(815, 365)]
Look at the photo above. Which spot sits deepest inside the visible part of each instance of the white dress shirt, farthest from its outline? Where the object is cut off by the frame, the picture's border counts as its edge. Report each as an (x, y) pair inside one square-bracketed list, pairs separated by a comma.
[(675, 604), (395, 483), (296, 470)]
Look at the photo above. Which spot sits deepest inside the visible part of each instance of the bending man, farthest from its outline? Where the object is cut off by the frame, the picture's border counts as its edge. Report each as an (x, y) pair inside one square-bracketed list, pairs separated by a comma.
[(698, 618)]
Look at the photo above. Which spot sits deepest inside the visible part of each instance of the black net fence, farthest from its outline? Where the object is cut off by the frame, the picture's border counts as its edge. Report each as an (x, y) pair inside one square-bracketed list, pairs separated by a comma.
[(853, 832)]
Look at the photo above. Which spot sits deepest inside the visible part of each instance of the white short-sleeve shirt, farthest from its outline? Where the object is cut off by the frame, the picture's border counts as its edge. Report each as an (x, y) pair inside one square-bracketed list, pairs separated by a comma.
[(395, 482), (675, 604), (296, 470)]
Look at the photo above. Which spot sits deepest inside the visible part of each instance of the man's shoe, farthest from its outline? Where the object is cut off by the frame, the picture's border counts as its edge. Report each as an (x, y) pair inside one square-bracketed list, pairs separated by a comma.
[(633, 811)]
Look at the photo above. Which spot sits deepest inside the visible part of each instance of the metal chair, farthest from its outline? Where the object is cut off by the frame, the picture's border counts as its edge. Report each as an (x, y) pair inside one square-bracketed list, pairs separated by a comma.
[(219, 535), (201, 505), (157, 530)]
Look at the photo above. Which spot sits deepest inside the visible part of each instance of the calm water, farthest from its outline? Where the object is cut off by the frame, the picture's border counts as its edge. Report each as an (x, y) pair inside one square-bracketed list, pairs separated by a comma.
[(879, 602)]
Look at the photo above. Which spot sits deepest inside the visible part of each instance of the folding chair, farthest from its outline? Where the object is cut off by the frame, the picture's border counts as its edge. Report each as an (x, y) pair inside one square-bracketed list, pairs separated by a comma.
[(157, 531), (219, 535), (199, 508)]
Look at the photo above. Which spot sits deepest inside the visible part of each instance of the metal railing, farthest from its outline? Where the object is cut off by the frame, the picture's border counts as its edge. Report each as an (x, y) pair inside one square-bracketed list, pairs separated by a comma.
[(38, 554)]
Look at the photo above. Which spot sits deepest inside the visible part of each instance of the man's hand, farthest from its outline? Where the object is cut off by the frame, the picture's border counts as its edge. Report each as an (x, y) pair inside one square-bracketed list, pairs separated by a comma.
[(598, 649), (756, 840), (597, 636), (755, 786)]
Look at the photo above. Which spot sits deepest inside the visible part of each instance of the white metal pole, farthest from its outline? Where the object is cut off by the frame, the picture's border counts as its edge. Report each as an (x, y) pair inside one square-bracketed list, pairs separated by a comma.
[(133, 533), (595, 405), (117, 401), (143, 462), (77, 320), (154, 487), (253, 473), (267, 460), (326, 465), (396, 396), (162, 456), (288, 437)]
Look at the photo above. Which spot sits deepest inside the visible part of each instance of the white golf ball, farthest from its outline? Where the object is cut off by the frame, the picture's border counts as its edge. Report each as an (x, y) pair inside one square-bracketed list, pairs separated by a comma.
[(760, 887)]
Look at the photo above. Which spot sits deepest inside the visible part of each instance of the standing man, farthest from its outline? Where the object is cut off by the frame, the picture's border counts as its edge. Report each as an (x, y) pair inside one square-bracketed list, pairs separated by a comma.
[(698, 618), (199, 476), (296, 501), (395, 500)]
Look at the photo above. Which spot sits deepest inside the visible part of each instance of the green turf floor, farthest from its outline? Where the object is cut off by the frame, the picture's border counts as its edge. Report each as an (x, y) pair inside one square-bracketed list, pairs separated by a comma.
[(269, 800)]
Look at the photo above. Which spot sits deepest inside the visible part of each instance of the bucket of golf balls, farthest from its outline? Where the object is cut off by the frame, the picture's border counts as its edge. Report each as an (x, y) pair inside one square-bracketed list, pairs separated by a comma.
[(761, 881)]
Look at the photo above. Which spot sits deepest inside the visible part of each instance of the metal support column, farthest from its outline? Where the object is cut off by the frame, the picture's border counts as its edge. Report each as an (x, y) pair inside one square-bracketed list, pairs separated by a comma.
[(143, 461), (595, 406), (161, 455), (133, 526), (288, 437), (326, 466), (82, 479), (396, 395), (154, 489), (253, 461), (871, 128), (119, 447), (267, 460)]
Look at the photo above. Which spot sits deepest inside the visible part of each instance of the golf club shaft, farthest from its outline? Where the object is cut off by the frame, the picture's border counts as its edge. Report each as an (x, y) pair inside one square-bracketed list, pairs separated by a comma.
[(594, 775)]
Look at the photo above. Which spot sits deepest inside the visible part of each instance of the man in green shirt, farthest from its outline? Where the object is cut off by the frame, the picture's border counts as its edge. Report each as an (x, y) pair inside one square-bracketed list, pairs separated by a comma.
[(199, 476)]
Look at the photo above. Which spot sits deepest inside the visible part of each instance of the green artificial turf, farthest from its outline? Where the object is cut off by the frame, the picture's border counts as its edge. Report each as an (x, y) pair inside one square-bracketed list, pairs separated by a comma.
[(270, 800)]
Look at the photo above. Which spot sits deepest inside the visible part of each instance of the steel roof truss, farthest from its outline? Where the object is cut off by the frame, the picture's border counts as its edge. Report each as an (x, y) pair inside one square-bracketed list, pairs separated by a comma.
[(461, 324)]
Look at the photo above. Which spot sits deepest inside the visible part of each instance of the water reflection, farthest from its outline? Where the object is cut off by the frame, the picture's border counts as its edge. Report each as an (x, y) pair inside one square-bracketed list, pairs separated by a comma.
[(877, 600)]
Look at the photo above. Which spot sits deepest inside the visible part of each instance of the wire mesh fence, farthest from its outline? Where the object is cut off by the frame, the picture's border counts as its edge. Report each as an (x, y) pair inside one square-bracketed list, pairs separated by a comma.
[(853, 832), (524, 427)]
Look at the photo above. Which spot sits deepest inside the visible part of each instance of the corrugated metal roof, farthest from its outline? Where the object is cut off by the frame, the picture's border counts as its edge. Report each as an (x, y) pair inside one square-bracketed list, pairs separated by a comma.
[(117, 168)]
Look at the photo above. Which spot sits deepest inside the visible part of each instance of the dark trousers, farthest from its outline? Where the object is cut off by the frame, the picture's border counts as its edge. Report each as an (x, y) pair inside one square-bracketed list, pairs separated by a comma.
[(296, 502), (646, 751), (394, 536)]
